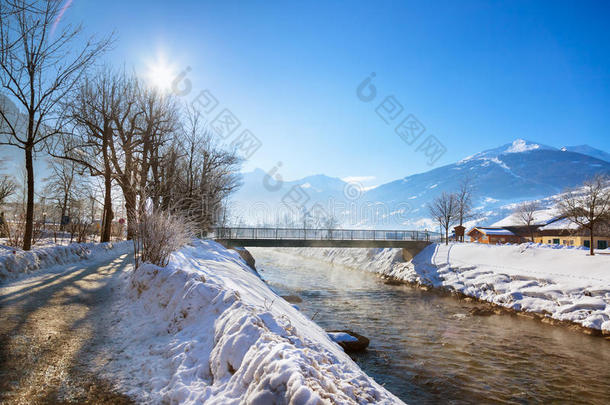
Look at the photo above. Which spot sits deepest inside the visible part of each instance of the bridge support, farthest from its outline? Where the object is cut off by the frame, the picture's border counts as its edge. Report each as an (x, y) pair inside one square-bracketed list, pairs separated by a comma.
[(410, 251)]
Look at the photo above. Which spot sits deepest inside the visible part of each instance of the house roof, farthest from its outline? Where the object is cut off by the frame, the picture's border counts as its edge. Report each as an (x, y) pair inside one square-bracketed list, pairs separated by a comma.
[(494, 231), (541, 217), (559, 224)]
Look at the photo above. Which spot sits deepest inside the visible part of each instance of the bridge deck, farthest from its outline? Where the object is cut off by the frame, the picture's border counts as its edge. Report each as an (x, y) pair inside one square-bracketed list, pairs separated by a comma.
[(290, 237)]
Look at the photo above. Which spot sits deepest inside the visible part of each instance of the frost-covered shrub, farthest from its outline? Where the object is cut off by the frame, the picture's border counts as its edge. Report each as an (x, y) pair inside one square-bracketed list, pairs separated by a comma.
[(14, 231), (159, 233)]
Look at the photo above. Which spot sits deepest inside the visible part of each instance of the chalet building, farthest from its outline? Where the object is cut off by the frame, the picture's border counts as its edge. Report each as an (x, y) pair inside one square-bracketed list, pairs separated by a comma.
[(556, 231), (493, 236), (563, 232)]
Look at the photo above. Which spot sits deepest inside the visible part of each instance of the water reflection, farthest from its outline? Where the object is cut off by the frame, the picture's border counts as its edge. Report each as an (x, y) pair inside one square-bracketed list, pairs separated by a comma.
[(426, 348)]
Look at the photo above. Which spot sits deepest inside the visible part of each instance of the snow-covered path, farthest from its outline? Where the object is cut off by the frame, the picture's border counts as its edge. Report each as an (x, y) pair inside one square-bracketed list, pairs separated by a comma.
[(50, 327)]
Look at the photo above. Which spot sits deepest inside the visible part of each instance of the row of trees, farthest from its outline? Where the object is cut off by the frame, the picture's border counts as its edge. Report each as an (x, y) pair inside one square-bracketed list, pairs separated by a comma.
[(102, 124), (66, 194), (158, 152)]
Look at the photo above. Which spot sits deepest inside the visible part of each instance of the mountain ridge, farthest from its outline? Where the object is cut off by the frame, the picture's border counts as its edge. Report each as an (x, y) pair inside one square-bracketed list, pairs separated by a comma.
[(513, 172)]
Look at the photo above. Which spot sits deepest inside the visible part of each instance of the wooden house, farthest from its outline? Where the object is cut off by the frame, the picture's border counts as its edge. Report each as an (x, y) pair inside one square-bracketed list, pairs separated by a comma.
[(493, 236)]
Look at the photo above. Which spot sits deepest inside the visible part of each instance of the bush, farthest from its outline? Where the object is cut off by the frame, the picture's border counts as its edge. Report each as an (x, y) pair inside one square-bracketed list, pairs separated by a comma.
[(14, 231), (158, 234)]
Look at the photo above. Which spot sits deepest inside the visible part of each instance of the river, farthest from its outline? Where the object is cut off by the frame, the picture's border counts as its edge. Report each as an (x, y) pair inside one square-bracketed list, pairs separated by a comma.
[(427, 348)]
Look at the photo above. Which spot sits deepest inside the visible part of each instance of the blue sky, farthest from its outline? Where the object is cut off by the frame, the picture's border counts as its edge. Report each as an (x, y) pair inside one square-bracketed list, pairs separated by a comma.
[(476, 74)]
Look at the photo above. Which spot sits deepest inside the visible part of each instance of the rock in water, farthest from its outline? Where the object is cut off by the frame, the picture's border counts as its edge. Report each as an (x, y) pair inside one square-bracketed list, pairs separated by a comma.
[(350, 341), (482, 311)]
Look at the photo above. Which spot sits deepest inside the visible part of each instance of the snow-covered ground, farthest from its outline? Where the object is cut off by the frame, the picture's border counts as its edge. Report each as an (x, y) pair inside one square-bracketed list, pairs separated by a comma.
[(16, 263), (207, 329), (562, 283)]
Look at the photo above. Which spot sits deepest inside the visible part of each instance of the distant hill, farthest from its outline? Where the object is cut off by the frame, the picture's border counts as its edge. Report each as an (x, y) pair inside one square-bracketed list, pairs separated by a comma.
[(514, 172), (589, 151)]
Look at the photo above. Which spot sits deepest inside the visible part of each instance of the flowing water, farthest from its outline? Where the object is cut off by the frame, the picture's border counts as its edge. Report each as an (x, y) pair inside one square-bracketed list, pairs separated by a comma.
[(426, 348)]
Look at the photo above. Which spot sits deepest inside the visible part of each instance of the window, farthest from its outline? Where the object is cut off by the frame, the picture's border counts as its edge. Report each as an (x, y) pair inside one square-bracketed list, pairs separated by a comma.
[(550, 241), (556, 241), (587, 243), (602, 244)]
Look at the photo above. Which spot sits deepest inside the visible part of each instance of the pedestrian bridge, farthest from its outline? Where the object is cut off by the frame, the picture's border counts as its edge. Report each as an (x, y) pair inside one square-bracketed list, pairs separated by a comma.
[(412, 242)]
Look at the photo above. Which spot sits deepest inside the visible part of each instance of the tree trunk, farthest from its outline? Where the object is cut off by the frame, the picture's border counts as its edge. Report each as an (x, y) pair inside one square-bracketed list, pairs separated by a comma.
[(447, 236), (591, 238), (62, 227), (144, 168), (29, 211), (108, 214), (64, 206), (132, 217)]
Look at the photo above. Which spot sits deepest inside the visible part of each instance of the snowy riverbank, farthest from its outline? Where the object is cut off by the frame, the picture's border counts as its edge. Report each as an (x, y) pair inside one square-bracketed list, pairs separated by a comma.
[(207, 329), (16, 263), (560, 284)]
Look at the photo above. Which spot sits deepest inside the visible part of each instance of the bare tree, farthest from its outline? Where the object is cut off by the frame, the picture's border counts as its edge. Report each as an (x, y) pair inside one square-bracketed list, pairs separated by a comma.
[(158, 122), (91, 110), (7, 184), (525, 213), (306, 218), (464, 201), (589, 206), (196, 175), (7, 188), (330, 222), (38, 68), (444, 210), (61, 184), (125, 147)]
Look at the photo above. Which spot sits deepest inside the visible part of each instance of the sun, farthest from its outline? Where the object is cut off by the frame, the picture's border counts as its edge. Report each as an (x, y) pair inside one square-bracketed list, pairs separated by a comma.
[(160, 75)]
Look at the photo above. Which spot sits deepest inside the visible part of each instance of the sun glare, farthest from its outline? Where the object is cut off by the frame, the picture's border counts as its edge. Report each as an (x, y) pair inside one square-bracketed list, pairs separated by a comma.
[(160, 75)]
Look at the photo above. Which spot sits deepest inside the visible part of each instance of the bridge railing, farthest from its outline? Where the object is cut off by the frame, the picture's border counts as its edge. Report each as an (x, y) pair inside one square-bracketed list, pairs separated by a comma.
[(322, 234)]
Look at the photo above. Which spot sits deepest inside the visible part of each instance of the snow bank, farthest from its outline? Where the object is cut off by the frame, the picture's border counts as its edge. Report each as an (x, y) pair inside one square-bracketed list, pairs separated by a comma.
[(562, 283), (16, 262), (374, 260), (207, 329)]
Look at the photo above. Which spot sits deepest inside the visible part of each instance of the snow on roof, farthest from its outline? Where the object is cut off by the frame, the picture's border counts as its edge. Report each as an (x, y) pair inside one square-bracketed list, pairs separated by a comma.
[(541, 217), (559, 224), (495, 231)]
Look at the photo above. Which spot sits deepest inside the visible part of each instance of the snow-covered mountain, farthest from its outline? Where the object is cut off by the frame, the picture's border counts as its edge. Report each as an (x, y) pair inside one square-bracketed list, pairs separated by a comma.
[(503, 176), (589, 151), (261, 187)]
